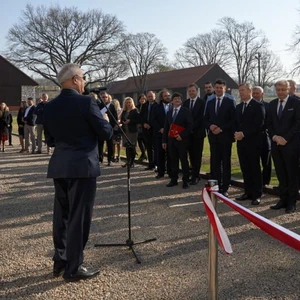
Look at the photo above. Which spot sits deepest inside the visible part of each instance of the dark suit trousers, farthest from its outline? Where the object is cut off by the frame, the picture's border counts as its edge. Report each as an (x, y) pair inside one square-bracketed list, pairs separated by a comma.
[(249, 157), (286, 160), (163, 160), (73, 207), (150, 142), (110, 146), (220, 161), (195, 153), (178, 151), (266, 162)]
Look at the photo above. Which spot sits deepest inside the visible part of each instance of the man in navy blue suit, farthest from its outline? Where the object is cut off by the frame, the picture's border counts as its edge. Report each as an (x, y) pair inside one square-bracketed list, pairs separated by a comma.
[(220, 121), (73, 123)]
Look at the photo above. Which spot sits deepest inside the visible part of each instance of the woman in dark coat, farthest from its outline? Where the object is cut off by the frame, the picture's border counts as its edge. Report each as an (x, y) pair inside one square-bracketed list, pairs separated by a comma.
[(129, 121), (3, 124)]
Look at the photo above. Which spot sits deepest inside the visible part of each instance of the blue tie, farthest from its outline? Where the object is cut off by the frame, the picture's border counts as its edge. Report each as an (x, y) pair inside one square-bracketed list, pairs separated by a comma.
[(280, 109), (175, 114)]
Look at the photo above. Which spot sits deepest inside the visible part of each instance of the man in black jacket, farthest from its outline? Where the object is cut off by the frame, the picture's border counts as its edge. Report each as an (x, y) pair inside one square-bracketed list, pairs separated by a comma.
[(158, 118), (250, 117), (284, 126), (177, 142), (145, 119), (73, 123), (265, 154), (220, 121), (196, 137)]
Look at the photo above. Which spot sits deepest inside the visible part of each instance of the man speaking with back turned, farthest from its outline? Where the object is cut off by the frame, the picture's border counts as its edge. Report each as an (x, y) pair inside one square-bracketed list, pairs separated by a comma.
[(73, 123)]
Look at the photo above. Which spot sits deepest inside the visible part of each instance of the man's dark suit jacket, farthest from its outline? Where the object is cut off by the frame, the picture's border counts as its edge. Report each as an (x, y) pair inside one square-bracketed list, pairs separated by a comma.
[(144, 113), (31, 117), (184, 119), (250, 122), (289, 125), (72, 124), (158, 118), (225, 119), (198, 129)]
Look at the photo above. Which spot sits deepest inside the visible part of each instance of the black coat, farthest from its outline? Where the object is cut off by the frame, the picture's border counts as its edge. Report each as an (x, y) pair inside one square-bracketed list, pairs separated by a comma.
[(4, 120), (133, 116)]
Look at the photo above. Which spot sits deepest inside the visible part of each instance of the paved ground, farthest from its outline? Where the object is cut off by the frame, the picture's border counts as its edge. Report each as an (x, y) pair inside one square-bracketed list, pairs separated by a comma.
[(173, 267)]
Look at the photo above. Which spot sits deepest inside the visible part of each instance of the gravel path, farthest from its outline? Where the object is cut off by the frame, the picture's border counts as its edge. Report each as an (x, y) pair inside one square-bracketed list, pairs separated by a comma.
[(173, 267)]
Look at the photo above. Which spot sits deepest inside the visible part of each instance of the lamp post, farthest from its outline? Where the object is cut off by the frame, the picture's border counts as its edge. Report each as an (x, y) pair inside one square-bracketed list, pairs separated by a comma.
[(258, 57)]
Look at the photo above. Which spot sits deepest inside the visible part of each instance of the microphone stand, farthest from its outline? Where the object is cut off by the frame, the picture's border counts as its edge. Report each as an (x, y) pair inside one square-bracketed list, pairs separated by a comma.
[(129, 242)]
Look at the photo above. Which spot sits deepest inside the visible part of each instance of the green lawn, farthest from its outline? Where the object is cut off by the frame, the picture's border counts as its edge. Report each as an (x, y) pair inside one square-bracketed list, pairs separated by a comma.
[(236, 172)]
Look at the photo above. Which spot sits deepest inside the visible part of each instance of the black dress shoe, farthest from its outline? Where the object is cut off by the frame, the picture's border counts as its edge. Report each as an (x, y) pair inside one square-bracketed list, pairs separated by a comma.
[(290, 209), (194, 181), (58, 268), (255, 201), (172, 183), (279, 205), (185, 185), (83, 273), (159, 176), (148, 169), (243, 197)]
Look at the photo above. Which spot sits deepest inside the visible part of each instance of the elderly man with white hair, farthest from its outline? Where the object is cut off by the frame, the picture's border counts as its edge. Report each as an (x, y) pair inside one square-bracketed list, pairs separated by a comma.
[(73, 123), (283, 126)]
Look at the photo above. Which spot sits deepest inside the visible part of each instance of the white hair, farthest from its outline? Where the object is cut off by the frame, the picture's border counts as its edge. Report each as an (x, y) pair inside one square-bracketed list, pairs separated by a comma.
[(258, 88), (67, 72)]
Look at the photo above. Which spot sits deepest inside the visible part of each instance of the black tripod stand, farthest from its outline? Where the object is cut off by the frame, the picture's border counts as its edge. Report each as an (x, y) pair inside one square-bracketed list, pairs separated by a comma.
[(129, 242)]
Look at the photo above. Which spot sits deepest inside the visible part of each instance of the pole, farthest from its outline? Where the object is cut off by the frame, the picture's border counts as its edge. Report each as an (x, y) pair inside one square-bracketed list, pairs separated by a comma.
[(258, 61), (212, 253)]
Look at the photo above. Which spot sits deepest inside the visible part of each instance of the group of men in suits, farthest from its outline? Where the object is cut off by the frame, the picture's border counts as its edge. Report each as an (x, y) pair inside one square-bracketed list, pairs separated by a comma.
[(155, 115), (259, 129)]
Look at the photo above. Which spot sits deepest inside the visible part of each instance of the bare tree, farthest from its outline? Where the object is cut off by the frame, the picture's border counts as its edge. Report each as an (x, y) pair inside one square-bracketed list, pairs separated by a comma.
[(270, 68), (245, 42), (107, 68), (143, 51), (48, 37), (204, 49), (295, 48)]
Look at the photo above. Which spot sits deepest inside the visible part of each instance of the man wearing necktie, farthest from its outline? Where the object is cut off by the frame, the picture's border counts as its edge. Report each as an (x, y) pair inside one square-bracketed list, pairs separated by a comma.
[(158, 118), (250, 118), (284, 125), (219, 122), (146, 117), (177, 145), (196, 138), (265, 155)]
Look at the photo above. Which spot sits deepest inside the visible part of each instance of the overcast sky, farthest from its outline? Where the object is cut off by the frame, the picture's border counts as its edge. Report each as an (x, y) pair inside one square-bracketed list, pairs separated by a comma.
[(174, 21)]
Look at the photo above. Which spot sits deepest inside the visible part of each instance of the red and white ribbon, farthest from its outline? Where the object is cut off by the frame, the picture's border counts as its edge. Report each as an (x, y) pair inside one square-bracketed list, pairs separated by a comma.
[(216, 224), (280, 233)]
